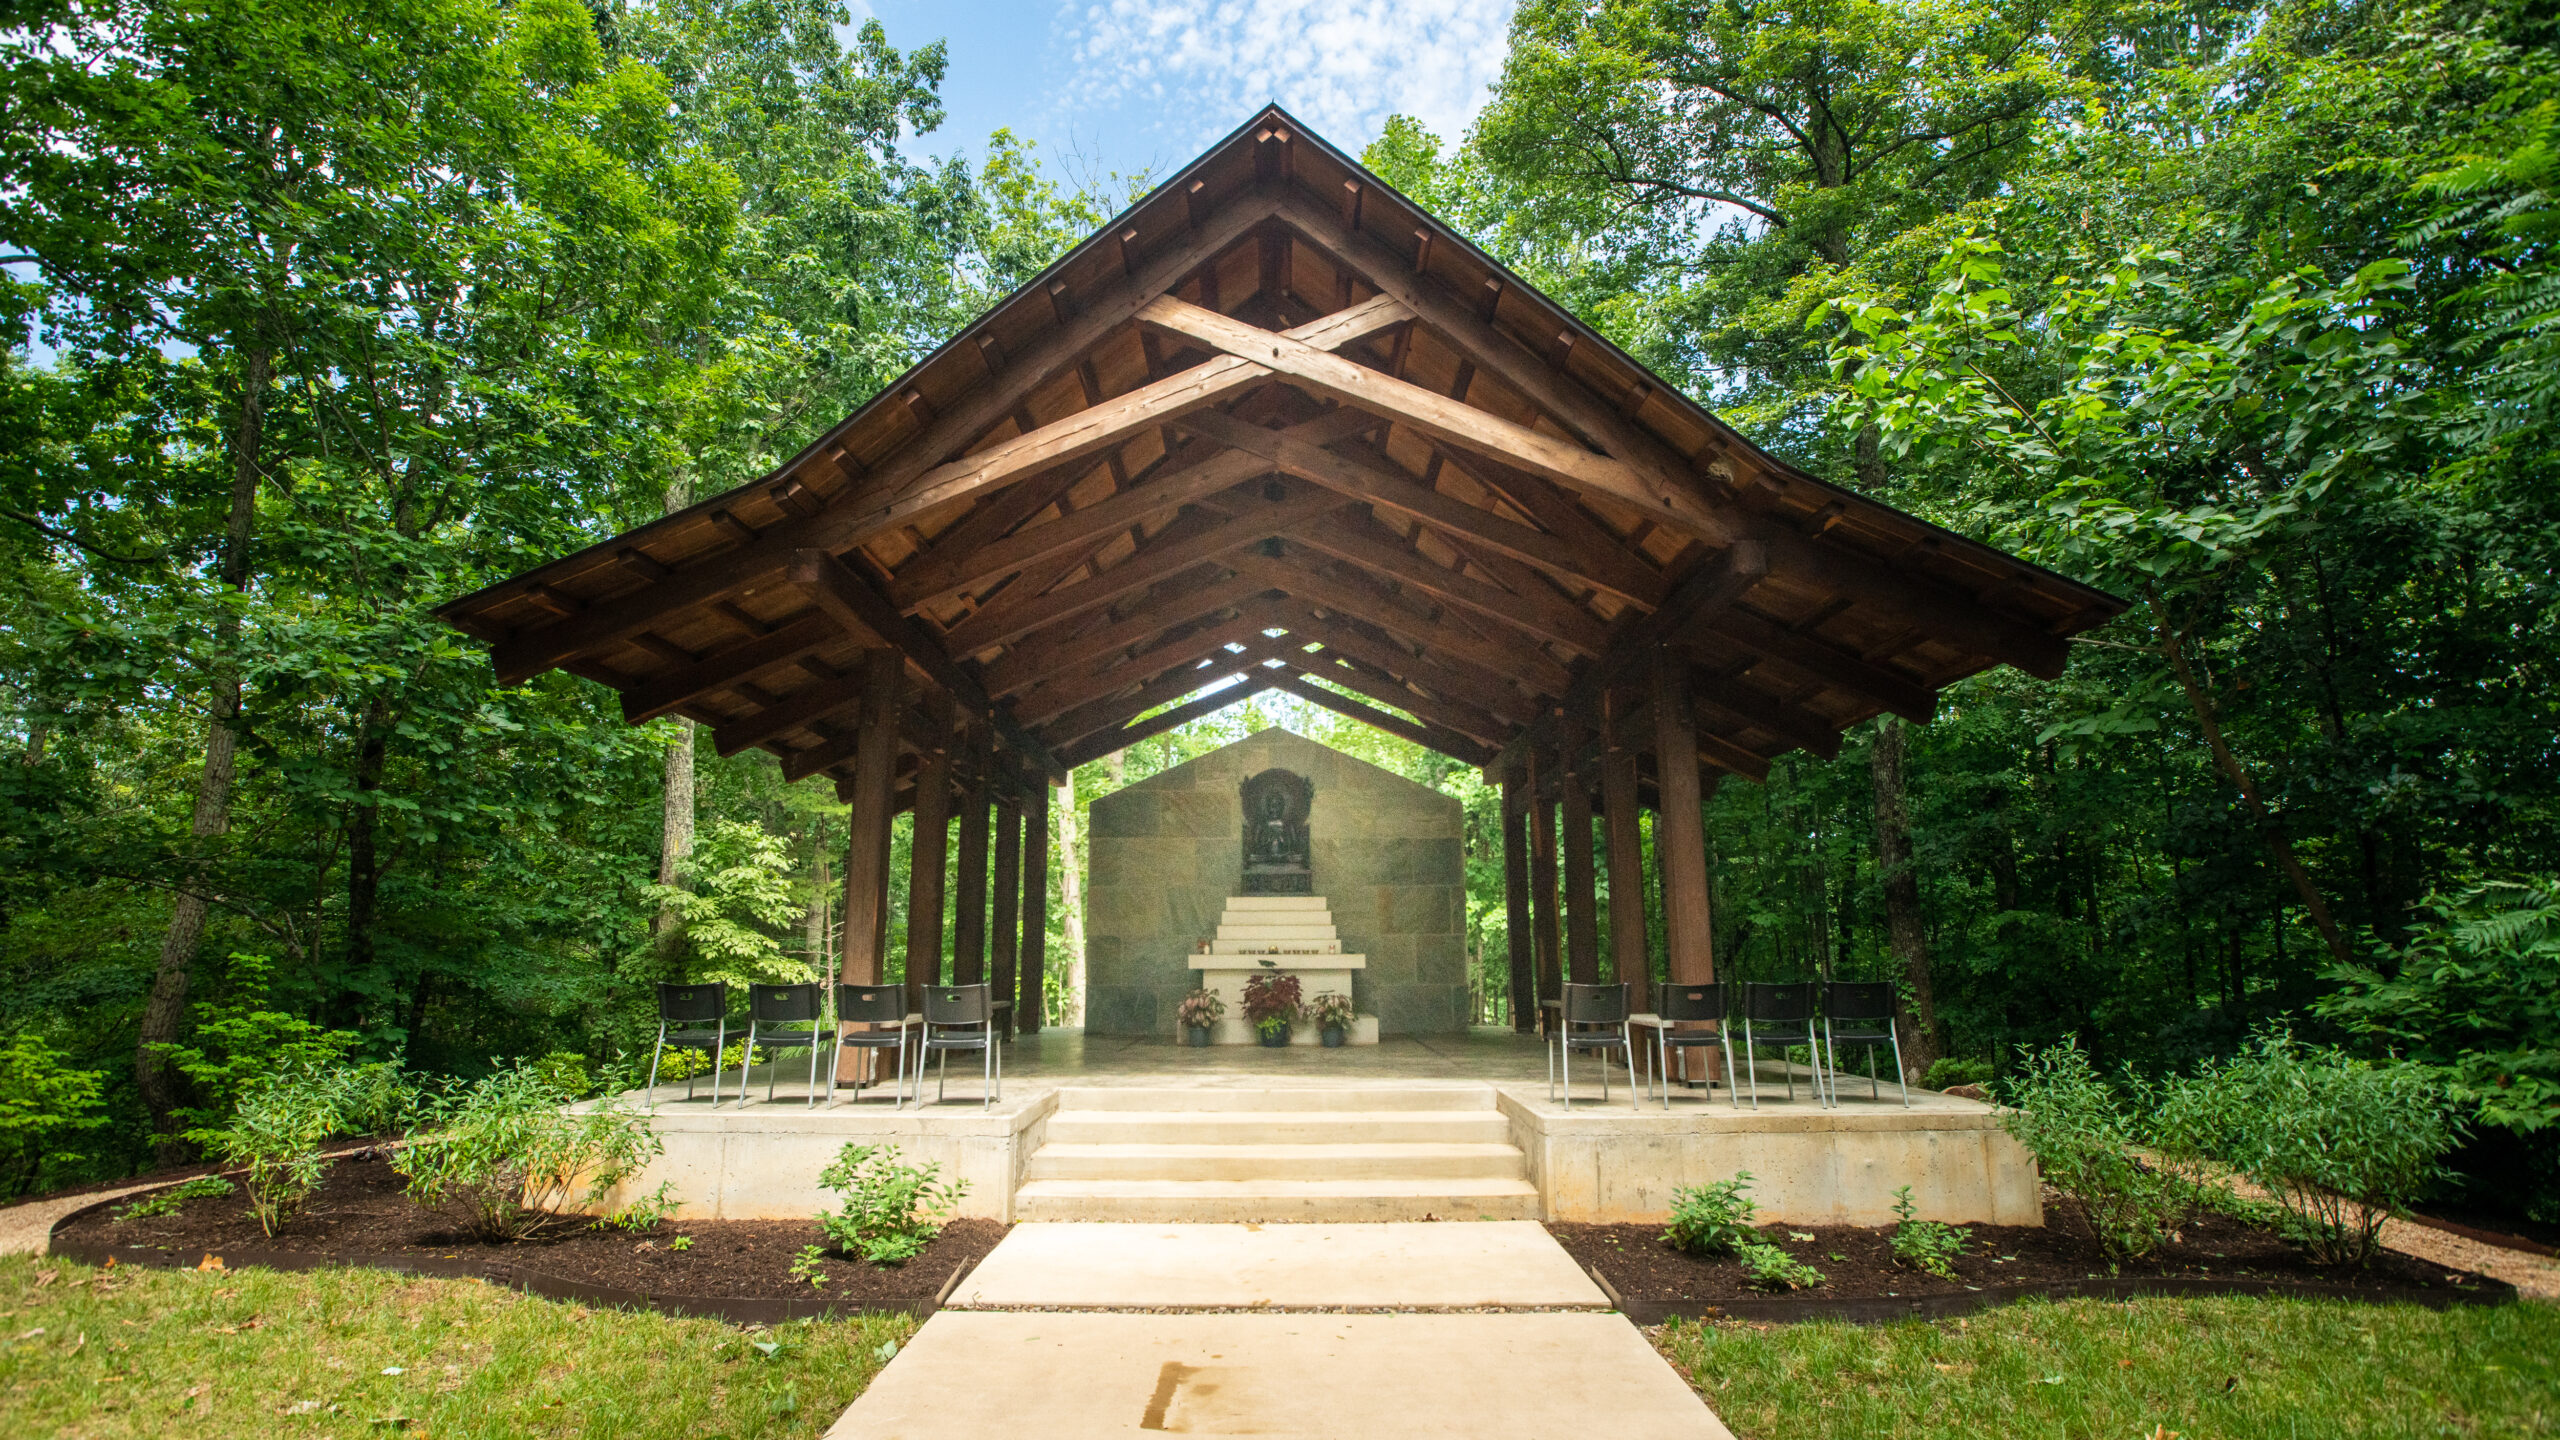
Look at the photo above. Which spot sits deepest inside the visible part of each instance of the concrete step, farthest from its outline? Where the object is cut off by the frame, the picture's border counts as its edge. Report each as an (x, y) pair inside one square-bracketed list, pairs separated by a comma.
[(1394, 1162), (1278, 1127), (1158, 1202), (1275, 902), (1266, 1098), (1276, 934)]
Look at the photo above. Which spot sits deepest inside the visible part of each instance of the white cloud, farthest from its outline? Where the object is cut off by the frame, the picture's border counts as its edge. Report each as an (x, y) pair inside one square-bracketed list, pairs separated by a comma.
[(1342, 66)]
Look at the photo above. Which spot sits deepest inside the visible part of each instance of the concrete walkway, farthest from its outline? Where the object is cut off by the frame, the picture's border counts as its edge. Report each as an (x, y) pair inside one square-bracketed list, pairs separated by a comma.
[(1071, 1337)]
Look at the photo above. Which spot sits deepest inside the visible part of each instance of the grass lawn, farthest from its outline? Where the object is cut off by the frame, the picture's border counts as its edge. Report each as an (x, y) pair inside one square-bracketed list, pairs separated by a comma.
[(171, 1354), (2105, 1370)]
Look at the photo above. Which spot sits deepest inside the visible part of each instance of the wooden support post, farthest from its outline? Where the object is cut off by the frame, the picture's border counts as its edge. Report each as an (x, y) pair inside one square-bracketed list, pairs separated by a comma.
[(1005, 940), (1682, 835), (1031, 998), (928, 858), (1515, 904), (1627, 949), (1542, 882), (866, 865), (969, 880), (1581, 879)]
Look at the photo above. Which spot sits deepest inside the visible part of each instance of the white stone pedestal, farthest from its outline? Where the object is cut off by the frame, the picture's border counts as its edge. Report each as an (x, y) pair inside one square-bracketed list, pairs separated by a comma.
[(1293, 934)]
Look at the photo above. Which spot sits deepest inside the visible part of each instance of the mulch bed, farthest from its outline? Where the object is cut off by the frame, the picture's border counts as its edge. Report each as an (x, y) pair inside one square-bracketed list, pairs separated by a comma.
[(2213, 1255), (740, 1269)]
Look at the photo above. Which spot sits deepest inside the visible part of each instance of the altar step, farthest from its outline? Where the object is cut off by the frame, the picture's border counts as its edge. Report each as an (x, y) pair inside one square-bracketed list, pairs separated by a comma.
[(1163, 1156)]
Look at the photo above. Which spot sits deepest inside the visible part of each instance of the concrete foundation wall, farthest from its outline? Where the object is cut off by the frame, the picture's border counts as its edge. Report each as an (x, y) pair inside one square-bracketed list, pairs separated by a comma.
[(1609, 1166), (1168, 851)]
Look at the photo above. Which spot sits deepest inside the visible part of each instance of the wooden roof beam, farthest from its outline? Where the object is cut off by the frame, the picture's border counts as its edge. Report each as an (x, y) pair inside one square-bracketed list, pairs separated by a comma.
[(1370, 601), (1103, 742), (1478, 687), (1049, 701), (739, 664), (1546, 617), (1205, 590), (1114, 709), (1334, 668), (1429, 737)]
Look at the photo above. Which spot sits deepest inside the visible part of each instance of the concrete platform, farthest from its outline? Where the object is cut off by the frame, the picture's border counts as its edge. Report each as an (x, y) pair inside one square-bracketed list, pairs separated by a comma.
[(1415, 1377), (1501, 1265)]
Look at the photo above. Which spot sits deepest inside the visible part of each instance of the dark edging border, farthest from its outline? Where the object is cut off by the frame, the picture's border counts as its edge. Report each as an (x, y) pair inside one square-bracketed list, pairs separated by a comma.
[(737, 1310), (1798, 1309)]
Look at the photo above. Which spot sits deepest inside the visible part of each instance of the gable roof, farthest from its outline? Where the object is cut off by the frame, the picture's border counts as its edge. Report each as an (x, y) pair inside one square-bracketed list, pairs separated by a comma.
[(1277, 421), (1279, 745)]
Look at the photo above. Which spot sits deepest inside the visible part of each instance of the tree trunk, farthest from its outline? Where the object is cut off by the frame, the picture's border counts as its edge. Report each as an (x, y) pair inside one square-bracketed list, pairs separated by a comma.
[(1070, 905), (1905, 930), (675, 836), (364, 869), (164, 1015)]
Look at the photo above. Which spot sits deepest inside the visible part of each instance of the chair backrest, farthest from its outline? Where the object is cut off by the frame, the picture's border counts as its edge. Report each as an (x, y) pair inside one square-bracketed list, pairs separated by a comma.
[(871, 1003), (957, 1005), (1859, 1000), (692, 1004), (1777, 1002), (1595, 1004), (1689, 1002), (784, 1004)]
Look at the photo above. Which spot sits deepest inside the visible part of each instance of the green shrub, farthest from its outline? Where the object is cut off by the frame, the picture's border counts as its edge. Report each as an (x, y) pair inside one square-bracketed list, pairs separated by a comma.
[(278, 1126), (509, 1156), (2083, 1135), (646, 1212), (2342, 1144), (1953, 1071), (239, 1044), (1771, 1268), (1925, 1245), (1712, 1219), (891, 1211), (170, 1200), (42, 1103)]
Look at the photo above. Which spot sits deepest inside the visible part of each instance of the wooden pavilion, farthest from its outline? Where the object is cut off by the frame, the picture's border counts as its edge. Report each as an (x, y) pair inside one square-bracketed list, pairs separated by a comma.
[(1278, 425)]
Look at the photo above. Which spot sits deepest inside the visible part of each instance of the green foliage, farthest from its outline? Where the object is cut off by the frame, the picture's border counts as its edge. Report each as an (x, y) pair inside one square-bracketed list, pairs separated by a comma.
[(42, 1103), (1201, 1009), (810, 1266), (1952, 1070), (891, 1211), (510, 1153), (1926, 1245), (2476, 993), (1712, 1219), (739, 893), (1772, 1268), (1331, 1010), (239, 1042), (174, 1198), (278, 1126), (2342, 1144), (646, 1212), (1273, 1001), (2083, 1134)]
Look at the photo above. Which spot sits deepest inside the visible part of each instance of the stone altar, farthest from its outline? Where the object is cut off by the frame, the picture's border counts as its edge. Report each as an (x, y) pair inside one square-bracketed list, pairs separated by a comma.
[(1290, 933)]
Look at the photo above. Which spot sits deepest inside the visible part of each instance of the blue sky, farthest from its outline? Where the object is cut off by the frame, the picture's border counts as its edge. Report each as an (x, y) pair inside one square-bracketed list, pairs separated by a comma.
[(1144, 85)]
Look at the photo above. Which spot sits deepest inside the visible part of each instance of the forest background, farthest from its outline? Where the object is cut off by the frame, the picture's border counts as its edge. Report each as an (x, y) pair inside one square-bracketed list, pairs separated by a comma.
[(341, 308)]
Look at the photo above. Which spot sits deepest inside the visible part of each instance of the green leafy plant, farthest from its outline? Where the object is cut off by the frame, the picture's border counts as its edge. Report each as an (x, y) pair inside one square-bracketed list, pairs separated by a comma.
[(891, 1211), (2083, 1135), (1712, 1219), (1200, 1009), (1331, 1010), (2341, 1144), (42, 1102), (810, 1266), (1772, 1268), (277, 1128), (510, 1154), (737, 893), (1952, 1070), (681, 1243), (1273, 1001), (646, 1212), (1926, 1245), (238, 1044), (174, 1198)]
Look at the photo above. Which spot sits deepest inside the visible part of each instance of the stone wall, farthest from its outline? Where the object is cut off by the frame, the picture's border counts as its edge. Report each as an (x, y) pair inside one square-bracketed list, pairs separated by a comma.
[(1168, 851)]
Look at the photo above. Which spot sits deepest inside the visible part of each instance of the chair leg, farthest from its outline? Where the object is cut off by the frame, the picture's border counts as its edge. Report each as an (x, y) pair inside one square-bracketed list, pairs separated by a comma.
[(719, 1049), (1564, 1037), (654, 1052), (1751, 1063), (1724, 1047), (1662, 1065), (987, 1073), (1627, 1047), (1834, 1045), (813, 1067), (1901, 1077)]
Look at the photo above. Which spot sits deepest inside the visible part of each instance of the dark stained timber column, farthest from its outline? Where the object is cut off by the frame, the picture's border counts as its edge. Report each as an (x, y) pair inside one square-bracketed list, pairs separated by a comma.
[(1581, 880), (1627, 929), (1030, 1003), (1005, 940), (1542, 880), (928, 857), (1515, 904), (866, 865), (969, 880), (1682, 834)]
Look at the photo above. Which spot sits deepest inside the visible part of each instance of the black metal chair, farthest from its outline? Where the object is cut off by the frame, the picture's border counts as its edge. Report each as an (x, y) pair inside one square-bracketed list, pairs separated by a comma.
[(961, 1017), (691, 1017), (773, 1011), (1786, 1014), (1866, 1010), (876, 1006), (1677, 1005), (1594, 1017)]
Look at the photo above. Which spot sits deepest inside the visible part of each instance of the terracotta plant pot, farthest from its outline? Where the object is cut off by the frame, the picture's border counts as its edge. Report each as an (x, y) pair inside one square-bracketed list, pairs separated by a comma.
[(1197, 1035), (1333, 1037)]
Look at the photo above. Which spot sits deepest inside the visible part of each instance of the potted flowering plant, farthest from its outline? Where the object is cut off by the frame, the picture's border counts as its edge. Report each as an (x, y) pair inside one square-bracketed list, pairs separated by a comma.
[(1331, 1014), (1199, 1010), (1272, 1001)]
